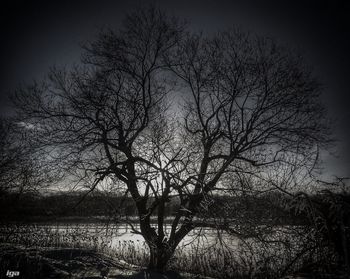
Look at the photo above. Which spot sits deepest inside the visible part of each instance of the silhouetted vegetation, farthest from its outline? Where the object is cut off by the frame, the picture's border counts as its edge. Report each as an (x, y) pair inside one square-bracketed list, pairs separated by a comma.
[(184, 132), (329, 221), (164, 113), (268, 208)]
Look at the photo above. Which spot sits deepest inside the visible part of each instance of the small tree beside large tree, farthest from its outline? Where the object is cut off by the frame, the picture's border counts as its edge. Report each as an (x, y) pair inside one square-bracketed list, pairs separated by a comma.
[(168, 114)]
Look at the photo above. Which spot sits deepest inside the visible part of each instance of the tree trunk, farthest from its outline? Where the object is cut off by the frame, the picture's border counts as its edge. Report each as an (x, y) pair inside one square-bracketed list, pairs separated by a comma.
[(159, 256)]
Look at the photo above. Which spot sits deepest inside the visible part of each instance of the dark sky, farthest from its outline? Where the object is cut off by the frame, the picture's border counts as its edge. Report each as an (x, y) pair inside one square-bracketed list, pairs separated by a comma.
[(38, 35)]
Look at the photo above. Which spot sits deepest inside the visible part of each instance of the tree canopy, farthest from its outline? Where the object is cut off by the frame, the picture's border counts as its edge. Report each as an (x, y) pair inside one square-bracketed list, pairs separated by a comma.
[(160, 112)]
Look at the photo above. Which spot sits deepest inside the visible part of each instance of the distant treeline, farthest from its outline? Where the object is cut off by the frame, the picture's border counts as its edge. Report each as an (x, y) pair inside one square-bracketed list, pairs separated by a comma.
[(37, 207)]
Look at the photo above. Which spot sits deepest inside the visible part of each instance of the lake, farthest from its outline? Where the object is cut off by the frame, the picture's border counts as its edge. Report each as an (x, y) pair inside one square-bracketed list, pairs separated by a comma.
[(117, 233)]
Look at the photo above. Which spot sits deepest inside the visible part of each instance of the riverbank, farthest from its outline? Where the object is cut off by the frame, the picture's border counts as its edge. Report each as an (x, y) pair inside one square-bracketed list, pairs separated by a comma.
[(19, 261), (81, 251), (50, 262)]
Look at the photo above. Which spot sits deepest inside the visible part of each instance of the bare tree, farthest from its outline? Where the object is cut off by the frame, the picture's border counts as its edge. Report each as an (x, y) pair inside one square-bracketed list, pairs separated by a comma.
[(167, 115), (16, 165), (20, 173), (9, 156)]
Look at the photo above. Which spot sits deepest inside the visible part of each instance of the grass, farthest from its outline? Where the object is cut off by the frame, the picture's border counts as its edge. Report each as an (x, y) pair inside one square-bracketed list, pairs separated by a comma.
[(272, 257), (97, 238)]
